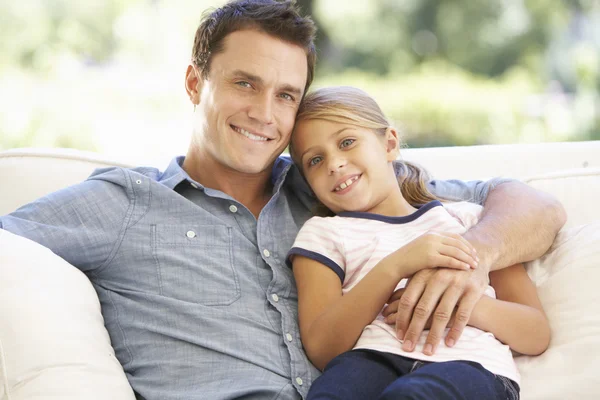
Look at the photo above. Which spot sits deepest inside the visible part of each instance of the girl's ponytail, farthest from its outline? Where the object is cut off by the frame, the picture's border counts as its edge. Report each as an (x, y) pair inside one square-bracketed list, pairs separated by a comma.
[(413, 183)]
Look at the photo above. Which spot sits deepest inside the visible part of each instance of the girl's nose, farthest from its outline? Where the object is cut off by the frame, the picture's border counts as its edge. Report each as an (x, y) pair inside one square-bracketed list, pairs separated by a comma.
[(336, 164)]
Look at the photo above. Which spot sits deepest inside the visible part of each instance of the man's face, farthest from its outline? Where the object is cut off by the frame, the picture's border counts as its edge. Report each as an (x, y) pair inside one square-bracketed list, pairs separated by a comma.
[(248, 104)]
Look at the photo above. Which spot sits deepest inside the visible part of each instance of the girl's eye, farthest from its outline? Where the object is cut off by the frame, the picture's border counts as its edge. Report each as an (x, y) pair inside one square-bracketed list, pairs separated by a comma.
[(314, 161), (346, 143)]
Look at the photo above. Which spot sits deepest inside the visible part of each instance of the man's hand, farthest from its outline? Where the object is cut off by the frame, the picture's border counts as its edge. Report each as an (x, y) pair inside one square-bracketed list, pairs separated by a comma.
[(435, 293)]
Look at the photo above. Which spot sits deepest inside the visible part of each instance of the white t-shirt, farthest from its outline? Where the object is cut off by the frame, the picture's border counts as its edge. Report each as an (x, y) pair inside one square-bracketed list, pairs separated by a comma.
[(352, 243)]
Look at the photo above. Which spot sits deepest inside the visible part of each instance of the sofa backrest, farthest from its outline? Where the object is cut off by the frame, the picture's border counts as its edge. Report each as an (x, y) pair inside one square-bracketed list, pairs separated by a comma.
[(510, 160), (569, 171)]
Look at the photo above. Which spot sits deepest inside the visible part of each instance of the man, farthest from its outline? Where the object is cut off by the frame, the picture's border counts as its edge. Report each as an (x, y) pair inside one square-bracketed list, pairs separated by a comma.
[(189, 264)]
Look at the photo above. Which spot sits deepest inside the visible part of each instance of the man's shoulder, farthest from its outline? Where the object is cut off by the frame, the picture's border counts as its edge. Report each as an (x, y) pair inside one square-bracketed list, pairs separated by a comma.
[(122, 176)]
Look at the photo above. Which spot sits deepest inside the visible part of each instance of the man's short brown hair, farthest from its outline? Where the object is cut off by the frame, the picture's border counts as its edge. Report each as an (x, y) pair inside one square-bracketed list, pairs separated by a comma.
[(280, 19)]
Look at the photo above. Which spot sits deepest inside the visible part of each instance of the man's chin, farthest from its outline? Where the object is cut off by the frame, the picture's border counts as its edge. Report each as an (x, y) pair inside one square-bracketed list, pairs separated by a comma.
[(253, 167)]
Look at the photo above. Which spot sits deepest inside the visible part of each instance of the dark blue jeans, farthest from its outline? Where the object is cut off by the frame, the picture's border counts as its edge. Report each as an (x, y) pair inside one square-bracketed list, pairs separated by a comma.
[(370, 375)]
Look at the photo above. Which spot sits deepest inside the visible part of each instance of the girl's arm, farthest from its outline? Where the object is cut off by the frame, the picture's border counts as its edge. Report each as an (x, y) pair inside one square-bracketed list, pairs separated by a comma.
[(516, 316), (330, 323)]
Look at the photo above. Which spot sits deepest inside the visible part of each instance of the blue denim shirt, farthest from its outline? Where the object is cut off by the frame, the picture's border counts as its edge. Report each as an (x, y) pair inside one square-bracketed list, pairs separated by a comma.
[(195, 291)]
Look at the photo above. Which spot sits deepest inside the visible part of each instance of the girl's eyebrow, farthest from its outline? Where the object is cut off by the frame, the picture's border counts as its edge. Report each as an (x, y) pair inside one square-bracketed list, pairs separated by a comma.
[(333, 134)]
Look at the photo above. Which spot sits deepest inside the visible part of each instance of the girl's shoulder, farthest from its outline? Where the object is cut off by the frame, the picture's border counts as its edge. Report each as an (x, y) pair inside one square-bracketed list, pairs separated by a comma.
[(327, 222), (468, 214)]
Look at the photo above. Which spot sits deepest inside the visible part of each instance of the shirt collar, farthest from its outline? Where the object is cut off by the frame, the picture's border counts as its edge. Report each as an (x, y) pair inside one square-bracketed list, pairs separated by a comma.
[(392, 220), (175, 174)]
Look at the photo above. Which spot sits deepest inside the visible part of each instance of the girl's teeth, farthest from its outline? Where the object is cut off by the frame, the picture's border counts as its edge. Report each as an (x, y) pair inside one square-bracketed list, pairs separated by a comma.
[(349, 182)]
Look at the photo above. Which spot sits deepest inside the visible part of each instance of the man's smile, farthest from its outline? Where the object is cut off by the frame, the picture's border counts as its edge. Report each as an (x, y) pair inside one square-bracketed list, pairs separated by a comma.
[(249, 135)]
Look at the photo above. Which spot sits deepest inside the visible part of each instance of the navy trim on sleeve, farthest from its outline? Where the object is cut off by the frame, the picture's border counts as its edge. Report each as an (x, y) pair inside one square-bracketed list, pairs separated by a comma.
[(317, 257)]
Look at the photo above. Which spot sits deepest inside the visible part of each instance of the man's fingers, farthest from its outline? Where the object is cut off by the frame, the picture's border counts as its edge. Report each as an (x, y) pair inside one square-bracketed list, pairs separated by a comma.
[(441, 317), (390, 319), (463, 313), (421, 314), (392, 306), (412, 293), (396, 295)]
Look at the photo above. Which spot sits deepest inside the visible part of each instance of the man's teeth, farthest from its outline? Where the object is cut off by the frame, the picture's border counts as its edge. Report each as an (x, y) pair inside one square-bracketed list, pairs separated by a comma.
[(344, 185), (249, 135)]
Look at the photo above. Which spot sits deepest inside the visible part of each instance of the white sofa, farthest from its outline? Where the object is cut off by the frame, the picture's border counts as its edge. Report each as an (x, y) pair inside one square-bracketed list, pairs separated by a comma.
[(53, 344)]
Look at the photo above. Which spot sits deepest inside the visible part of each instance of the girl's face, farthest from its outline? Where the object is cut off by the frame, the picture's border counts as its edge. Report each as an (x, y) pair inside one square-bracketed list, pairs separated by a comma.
[(348, 167)]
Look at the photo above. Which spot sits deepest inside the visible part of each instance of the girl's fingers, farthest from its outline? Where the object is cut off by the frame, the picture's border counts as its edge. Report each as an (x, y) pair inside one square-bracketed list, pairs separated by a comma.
[(459, 255)]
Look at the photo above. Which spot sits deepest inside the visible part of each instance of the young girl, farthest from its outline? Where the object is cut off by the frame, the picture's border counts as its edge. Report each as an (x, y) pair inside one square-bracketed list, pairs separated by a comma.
[(382, 229)]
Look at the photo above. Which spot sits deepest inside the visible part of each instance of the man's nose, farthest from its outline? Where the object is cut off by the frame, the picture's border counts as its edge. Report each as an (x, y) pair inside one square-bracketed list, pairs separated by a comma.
[(262, 108)]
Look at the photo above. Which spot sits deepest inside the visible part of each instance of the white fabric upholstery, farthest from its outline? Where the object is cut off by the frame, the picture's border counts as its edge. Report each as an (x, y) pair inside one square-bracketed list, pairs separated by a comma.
[(577, 189), (508, 160), (567, 278)]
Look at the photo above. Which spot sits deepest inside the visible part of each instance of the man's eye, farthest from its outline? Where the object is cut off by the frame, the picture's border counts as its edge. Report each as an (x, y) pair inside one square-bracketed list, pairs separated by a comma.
[(346, 143), (287, 96), (314, 161), (243, 84)]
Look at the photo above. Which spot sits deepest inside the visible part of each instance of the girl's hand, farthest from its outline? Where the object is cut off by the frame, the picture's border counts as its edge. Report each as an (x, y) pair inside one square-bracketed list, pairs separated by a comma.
[(433, 250)]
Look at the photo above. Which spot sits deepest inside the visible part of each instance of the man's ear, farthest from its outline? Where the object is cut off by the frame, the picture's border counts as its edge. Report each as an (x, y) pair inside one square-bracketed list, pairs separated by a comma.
[(193, 84), (392, 142)]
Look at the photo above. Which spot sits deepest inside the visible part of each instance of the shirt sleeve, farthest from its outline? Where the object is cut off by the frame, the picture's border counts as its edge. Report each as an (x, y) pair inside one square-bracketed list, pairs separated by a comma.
[(471, 191), (81, 223), (319, 240)]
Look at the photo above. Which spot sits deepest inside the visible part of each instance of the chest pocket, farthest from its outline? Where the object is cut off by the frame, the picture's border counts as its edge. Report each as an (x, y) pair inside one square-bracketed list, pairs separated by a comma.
[(195, 263)]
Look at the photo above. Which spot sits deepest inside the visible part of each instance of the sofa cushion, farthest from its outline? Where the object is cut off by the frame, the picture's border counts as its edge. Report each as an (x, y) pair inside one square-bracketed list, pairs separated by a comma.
[(53, 343), (567, 280), (577, 189)]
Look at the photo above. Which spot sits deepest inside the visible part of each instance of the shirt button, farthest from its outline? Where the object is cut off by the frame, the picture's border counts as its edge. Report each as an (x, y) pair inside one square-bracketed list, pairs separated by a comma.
[(299, 381), (232, 208), (275, 297), (289, 337), (191, 234), (267, 253), (194, 185)]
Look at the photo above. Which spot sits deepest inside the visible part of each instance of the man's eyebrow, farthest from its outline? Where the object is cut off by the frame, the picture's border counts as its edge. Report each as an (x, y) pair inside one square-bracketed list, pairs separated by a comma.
[(292, 90), (333, 134), (255, 78), (247, 75)]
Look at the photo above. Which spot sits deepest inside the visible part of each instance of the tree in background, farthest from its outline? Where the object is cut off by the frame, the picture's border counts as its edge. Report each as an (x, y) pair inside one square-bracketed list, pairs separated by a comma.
[(450, 72)]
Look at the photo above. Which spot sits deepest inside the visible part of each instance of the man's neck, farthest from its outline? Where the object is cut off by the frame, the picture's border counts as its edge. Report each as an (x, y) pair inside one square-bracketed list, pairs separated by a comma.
[(251, 190)]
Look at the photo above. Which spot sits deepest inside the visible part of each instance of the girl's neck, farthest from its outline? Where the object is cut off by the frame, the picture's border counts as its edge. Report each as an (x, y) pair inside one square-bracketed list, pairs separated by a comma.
[(394, 205)]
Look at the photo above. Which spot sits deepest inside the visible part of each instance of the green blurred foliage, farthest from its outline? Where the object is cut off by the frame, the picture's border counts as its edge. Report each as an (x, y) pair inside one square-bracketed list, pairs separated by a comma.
[(461, 72), (453, 72)]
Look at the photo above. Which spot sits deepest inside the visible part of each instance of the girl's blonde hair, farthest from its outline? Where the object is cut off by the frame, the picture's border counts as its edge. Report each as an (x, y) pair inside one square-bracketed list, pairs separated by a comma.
[(348, 105)]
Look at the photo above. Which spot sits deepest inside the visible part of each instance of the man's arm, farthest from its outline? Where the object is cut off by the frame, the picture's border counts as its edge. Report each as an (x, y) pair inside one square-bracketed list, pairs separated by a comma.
[(81, 223), (518, 224)]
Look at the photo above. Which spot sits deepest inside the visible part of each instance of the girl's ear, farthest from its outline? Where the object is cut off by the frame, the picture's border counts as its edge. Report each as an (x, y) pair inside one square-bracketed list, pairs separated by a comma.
[(392, 142)]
